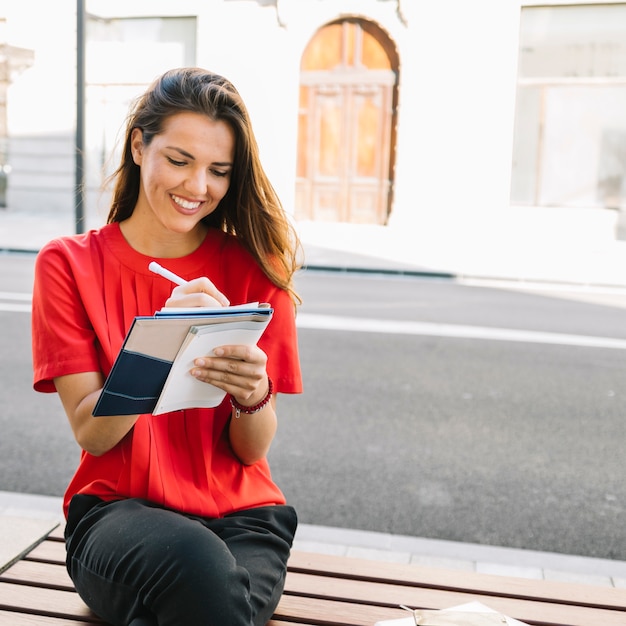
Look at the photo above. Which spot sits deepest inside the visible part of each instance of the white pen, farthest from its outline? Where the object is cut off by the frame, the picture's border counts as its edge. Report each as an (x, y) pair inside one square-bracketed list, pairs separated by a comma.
[(161, 271)]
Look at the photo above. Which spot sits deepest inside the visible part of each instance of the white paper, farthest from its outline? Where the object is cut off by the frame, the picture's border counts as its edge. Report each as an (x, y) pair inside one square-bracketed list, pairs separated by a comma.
[(181, 389), (470, 607)]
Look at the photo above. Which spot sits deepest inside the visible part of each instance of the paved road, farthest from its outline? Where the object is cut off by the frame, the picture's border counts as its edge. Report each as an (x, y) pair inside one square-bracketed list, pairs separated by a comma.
[(437, 427)]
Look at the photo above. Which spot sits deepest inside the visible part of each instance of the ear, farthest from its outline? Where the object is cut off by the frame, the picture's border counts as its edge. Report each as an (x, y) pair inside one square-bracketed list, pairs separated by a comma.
[(136, 145)]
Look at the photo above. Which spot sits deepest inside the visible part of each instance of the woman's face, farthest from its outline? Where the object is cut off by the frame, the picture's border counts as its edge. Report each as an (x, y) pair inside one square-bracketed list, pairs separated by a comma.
[(184, 172)]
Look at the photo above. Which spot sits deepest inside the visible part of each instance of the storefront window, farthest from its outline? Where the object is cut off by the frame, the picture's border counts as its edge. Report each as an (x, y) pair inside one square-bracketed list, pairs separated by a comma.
[(570, 128)]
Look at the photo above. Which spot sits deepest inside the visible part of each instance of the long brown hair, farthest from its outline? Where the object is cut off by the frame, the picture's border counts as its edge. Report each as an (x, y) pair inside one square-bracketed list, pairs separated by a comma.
[(251, 209)]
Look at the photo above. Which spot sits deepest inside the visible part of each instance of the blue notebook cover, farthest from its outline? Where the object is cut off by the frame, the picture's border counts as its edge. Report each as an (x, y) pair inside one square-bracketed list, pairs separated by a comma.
[(134, 385)]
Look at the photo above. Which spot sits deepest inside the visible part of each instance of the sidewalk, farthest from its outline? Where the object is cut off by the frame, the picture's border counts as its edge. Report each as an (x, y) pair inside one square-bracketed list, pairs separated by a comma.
[(25, 518), (599, 262)]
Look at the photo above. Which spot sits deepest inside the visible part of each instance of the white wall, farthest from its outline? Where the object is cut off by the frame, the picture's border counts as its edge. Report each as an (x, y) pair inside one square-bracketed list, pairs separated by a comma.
[(458, 69), (457, 101)]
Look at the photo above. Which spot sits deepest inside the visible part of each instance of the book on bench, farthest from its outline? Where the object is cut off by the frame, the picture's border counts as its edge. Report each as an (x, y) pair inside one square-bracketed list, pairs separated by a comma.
[(151, 372), (470, 614)]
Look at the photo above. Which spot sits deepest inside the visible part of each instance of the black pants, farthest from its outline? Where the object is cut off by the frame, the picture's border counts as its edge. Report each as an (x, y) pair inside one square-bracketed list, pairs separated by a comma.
[(135, 563)]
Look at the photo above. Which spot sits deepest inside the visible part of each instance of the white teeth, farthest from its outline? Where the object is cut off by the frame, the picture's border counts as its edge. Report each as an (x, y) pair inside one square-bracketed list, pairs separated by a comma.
[(185, 204)]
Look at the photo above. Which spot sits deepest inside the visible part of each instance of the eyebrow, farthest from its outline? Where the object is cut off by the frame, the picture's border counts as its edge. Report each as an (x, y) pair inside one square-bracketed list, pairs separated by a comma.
[(193, 158)]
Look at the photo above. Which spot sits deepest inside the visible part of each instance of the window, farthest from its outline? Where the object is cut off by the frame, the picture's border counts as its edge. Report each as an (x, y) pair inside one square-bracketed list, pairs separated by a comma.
[(570, 126)]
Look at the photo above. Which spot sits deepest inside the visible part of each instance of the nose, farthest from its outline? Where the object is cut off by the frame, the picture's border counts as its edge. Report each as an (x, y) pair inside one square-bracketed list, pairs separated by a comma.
[(197, 181)]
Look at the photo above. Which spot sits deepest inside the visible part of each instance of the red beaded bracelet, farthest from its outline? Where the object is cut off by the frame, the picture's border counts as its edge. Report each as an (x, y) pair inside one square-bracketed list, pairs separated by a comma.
[(249, 410)]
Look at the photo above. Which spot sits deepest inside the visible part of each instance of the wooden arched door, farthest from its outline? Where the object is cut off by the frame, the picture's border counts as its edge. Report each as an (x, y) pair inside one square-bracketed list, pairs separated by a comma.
[(346, 125)]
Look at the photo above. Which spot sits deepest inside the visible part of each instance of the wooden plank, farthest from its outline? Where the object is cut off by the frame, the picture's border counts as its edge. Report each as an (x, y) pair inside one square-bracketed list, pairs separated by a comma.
[(457, 580), (43, 601), (9, 618), (38, 574), (329, 612), (48, 551), (367, 594), (57, 534)]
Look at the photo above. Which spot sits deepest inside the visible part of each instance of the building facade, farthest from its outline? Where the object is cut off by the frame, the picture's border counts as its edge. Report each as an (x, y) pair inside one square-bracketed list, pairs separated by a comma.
[(449, 122)]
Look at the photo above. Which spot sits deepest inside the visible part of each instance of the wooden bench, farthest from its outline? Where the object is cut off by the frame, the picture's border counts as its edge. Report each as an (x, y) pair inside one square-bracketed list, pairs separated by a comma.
[(330, 590)]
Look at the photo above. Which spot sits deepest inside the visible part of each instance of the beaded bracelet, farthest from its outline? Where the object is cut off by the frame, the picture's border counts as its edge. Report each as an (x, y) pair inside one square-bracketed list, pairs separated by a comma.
[(249, 410)]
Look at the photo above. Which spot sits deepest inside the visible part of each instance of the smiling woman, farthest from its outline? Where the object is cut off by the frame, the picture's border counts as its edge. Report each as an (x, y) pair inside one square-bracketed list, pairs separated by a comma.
[(185, 173), (175, 518)]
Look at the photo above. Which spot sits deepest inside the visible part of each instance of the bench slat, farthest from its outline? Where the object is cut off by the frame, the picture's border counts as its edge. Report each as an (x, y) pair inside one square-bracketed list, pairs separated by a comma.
[(39, 574), (50, 551), (8, 618), (57, 533), (331, 612), (384, 594), (43, 601), (277, 622), (488, 584)]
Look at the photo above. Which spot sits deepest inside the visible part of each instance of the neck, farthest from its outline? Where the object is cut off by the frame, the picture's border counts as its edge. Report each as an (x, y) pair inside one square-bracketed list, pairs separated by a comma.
[(162, 244)]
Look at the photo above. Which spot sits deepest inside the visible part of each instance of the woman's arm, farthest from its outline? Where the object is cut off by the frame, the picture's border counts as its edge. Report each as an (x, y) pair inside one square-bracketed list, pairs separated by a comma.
[(79, 394), (241, 372), (252, 434)]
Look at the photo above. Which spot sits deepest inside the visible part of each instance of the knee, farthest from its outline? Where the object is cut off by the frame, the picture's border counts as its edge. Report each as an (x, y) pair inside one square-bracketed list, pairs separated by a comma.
[(221, 580), (207, 585)]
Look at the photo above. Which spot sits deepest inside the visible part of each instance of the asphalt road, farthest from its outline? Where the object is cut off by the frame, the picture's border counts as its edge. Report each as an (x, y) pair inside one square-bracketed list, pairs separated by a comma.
[(418, 418)]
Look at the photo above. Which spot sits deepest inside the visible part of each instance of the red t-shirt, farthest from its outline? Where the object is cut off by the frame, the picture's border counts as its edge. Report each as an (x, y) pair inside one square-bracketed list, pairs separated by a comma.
[(88, 288)]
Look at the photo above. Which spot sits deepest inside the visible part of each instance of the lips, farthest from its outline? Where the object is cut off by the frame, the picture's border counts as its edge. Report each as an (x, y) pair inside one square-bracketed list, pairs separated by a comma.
[(187, 205)]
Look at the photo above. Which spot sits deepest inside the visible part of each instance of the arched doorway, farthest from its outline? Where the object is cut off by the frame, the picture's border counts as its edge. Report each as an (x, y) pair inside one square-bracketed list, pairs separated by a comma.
[(346, 124)]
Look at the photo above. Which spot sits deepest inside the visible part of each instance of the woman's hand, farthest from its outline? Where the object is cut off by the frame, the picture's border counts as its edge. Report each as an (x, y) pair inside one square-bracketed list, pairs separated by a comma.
[(200, 292), (240, 371)]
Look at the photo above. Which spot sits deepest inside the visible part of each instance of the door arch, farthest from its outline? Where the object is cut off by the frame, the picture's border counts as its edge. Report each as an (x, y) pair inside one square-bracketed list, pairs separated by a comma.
[(346, 124)]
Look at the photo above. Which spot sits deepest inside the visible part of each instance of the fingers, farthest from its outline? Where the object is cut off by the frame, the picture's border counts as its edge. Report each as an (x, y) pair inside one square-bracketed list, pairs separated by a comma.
[(199, 292), (238, 370)]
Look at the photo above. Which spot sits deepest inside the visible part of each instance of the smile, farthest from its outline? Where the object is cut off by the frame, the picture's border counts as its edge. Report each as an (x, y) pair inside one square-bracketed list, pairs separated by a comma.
[(186, 204)]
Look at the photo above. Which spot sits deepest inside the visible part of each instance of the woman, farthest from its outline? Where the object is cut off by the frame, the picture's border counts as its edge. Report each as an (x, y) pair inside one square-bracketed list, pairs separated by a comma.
[(175, 519)]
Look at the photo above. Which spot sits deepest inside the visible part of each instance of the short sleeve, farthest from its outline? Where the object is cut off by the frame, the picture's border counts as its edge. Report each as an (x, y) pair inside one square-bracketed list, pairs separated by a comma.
[(280, 344), (63, 340)]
